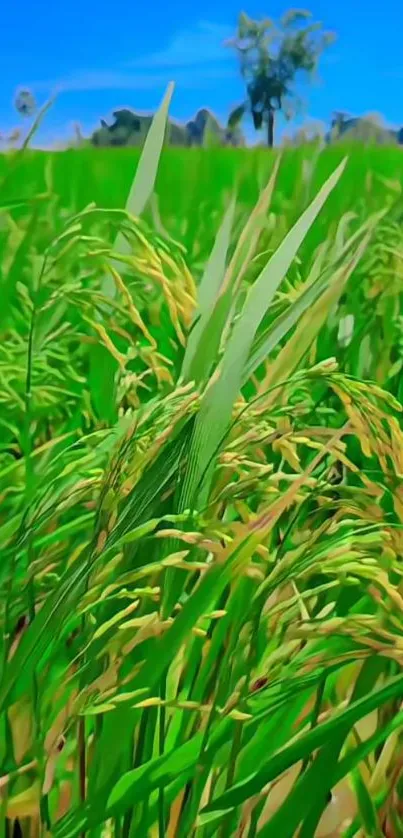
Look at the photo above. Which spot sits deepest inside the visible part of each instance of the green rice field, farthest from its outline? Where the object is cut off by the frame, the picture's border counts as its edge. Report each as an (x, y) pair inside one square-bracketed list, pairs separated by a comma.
[(201, 496)]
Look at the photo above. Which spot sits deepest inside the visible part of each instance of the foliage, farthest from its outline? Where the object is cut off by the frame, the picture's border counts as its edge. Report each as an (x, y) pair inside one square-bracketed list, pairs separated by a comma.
[(369, 128), (272, 58), (25, 103), (130, 129), (201, 508)]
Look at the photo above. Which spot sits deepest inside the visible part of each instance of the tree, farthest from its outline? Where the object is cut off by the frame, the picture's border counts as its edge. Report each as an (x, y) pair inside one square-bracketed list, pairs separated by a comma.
[(369, 128), (131, 129), (272, 58), (25, 103)]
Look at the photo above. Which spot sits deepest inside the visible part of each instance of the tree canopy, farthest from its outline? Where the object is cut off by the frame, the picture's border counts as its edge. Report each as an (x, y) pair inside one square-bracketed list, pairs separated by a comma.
[(25, 103), (273, 57)]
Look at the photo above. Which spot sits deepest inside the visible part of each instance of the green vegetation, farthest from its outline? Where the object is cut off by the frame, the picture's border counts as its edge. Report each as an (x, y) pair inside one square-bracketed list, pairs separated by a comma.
[(201, 496), (130, 129), (272, 59)]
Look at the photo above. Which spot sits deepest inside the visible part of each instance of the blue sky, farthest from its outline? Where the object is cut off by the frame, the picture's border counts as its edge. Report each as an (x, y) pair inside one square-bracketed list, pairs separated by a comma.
[(102, 55)]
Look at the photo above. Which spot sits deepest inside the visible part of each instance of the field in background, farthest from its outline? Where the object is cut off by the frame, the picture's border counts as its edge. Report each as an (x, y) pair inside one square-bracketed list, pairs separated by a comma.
[(194, 187), (191, 181), (201, 497)]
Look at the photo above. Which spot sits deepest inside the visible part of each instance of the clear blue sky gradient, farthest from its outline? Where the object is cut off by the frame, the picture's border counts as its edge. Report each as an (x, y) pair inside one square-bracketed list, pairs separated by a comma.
[(102, 55)]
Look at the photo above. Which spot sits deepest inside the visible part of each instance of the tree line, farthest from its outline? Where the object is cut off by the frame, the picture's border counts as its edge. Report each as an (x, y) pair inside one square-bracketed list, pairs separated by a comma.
[(275, 58)]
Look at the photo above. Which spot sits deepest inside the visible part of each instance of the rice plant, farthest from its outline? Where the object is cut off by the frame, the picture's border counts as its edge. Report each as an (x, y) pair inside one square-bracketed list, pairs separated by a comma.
[(201, 508)]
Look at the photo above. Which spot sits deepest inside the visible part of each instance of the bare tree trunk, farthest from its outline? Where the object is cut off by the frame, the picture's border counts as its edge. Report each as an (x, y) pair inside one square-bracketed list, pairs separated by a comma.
[(270, 128)]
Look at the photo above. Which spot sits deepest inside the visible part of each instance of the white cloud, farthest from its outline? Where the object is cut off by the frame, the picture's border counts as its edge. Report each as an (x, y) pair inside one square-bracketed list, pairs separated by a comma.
[(193, 58), (201, 45), (116, 80)]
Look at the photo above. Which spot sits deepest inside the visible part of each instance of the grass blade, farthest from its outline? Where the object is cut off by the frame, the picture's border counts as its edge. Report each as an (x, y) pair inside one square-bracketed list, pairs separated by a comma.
[(146, 172), (216, 408), (199, 354), (306, 744)]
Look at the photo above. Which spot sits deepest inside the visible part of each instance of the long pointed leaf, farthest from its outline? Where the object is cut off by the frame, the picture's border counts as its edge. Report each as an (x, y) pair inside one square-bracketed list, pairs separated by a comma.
[(310, 325), (146, 172), (145, 177), (216, 408), (218, 319), (306, 744), (208, 292)]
